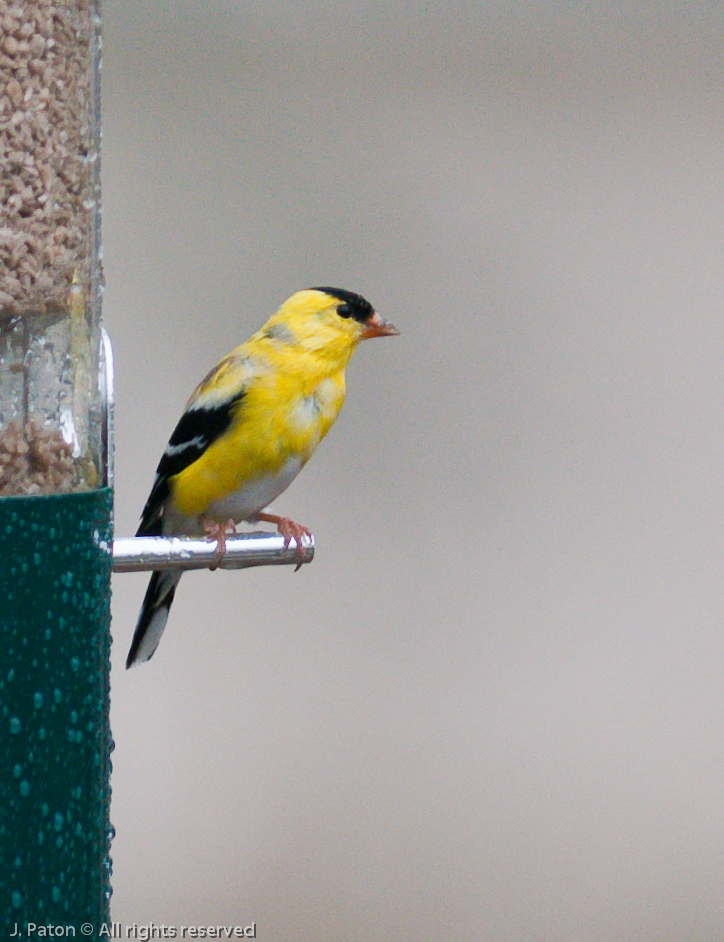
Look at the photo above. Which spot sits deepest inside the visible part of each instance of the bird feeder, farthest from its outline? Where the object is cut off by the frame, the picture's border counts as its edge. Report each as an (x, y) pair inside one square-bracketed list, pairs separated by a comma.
[(55, 495)]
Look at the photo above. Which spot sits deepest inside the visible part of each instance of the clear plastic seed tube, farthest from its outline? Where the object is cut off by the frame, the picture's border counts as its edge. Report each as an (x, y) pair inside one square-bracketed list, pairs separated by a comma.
[(50, 271)]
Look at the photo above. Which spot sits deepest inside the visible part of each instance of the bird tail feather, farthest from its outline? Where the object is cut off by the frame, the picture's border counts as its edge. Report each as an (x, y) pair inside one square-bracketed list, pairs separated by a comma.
[(153, 617)]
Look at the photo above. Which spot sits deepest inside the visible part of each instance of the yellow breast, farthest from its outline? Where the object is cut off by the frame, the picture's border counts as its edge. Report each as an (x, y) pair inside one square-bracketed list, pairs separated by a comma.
[(282, 418)]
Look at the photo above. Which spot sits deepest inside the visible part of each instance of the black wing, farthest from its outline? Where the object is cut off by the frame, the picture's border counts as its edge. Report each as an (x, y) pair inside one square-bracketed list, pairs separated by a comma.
[(198, 428)]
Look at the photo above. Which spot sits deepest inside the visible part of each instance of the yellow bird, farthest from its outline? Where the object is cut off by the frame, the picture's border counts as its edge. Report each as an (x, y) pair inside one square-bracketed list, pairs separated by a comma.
[(248, 430)]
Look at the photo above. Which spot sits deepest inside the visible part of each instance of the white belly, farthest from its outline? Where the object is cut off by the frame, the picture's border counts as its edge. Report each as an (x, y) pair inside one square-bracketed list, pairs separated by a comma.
[(256, 495)]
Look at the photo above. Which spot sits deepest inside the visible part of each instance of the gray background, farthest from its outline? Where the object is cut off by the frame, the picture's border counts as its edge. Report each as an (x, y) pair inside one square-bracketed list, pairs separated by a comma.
[(493, 707)]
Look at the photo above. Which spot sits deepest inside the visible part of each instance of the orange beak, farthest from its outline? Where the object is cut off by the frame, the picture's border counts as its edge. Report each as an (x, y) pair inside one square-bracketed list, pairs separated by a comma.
[(375, 326)]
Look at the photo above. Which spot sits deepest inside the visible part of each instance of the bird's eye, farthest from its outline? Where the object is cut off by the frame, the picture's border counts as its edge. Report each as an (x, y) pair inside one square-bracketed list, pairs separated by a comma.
[(344, 310)]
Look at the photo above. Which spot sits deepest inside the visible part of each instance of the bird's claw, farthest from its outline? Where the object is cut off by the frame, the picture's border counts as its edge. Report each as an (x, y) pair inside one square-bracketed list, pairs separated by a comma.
[(289, 530), (218, 531), (294, 531)]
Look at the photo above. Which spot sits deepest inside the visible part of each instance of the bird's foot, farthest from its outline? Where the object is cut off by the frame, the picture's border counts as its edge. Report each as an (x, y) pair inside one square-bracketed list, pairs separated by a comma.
[(290, 531), (217, 531)]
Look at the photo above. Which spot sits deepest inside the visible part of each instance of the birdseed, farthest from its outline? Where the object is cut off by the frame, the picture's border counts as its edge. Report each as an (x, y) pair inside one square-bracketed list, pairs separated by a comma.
[(49, 233), (36, 460)]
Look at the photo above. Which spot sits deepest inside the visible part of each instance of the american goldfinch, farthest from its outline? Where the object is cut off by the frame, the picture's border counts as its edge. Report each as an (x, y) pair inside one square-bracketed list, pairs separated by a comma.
[(248, 430)]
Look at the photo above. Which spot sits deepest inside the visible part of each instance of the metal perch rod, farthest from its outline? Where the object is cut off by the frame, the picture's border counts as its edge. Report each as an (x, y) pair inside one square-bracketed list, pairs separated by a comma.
[(145, 553)]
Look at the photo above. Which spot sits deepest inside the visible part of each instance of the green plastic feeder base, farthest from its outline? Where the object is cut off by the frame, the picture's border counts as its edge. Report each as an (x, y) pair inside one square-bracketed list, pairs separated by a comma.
[(55, 739)]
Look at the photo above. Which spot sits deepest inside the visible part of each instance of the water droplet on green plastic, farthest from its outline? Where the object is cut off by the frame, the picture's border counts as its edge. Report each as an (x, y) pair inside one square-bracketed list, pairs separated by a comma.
[(41, 733), (15, 724), (17, 862), (17, 899), (11, 673), (37, 700), (55, 893), (25, 788), (58, 821), (45, 808), (36, 558), (17, 770), (75, 664), (57, 695)]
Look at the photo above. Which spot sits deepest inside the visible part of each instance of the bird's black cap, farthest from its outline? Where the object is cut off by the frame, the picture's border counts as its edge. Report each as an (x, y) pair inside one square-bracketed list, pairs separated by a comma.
[(353, 305)]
